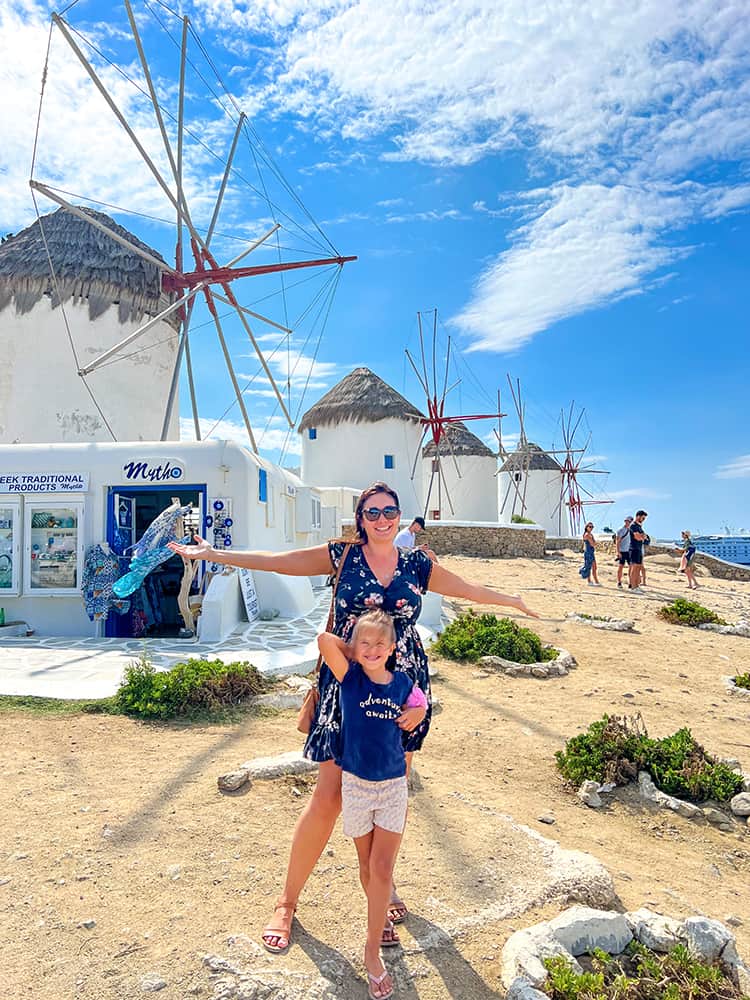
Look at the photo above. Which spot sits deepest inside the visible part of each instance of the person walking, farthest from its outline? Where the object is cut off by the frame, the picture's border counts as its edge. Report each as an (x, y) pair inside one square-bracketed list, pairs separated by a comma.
[(374, 793), (588, 570), (622, 548), (686, 562), (637, 538), (375, 575)]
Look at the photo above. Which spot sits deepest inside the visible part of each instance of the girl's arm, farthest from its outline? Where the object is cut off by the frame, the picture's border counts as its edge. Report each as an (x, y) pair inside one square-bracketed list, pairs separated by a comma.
[(334, 652), (299, 562), (450, 585)]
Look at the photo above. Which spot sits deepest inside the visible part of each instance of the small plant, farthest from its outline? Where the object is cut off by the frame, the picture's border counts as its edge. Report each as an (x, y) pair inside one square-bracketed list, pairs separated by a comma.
[(638, 974), (471, 636), (742, 681), (594, 618), (615, 749), (196, 687), (517, 519), (682, 612)]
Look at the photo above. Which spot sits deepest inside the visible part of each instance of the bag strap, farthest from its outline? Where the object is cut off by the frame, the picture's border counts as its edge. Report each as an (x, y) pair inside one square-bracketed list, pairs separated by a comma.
[(332, 609)]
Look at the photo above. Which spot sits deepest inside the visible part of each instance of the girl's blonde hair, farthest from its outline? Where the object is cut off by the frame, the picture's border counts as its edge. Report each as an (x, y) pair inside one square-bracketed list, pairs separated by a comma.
[(376, 619)]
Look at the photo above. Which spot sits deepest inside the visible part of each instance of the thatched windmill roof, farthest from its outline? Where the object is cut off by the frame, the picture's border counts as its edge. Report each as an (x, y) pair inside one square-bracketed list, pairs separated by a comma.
[(88, 264), (462, 442), (530, 458), (361, 396)]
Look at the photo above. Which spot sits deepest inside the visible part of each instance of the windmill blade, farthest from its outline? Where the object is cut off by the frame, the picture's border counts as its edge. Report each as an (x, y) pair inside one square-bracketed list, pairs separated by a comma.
[(418, 455), (230, 368), (429, 492), (445, 487), (416, 372)]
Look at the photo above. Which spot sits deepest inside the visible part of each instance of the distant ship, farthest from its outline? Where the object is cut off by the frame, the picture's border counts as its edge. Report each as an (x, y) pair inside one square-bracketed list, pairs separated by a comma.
[(731, 548)]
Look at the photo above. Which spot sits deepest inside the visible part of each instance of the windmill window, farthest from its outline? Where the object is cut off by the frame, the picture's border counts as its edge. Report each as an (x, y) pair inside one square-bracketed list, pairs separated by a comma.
[(517, 476), (312, 433), (262, 485), (389, 463), (435, 465)]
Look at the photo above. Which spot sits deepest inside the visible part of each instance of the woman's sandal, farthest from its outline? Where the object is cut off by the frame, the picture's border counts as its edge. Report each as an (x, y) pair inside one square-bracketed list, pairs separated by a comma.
[(376, 981), (280, 933), (389, 937), (397, 909)]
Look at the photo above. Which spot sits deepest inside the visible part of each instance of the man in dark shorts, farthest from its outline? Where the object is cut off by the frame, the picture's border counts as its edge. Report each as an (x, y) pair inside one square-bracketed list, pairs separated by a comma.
[(622, 548), (637, 538)]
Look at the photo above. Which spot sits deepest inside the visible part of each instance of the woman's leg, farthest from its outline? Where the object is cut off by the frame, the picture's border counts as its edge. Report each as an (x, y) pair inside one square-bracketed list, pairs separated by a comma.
[(311, 834), (377, 853), (593, 571)]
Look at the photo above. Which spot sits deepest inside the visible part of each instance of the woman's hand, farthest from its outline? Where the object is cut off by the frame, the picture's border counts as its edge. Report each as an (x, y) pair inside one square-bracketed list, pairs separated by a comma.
[(201, 549), (410, 718), (519, 603)]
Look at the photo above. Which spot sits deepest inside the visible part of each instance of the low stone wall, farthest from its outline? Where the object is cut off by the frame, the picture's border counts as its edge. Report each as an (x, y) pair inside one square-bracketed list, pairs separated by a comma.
[(496, 541), (718, 568)]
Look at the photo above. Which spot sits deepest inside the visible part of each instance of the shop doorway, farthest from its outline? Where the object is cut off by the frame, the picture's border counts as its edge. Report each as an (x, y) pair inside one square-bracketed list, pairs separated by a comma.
[(154, 612)]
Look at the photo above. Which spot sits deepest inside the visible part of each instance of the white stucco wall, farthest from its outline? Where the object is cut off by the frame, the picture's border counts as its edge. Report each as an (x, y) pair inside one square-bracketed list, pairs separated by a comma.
[(354, 453), (473, 494), (42, 397), (542, 499)]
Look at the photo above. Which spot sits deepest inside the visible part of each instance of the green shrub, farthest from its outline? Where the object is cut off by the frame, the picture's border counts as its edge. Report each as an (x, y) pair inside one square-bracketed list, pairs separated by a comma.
[(682, 612), (742, 681), (517, 519), (192, 688), (638, 974), (471, 636), (615, 749)]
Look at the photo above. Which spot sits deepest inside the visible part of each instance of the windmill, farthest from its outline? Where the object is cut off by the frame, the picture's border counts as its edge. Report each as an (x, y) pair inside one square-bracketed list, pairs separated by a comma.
[(518, 462), (170, 150), (440, 427), (573, 494)]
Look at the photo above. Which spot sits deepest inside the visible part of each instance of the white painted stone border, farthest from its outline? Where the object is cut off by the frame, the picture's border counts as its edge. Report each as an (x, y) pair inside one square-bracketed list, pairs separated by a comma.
[(580, 929), (608, 624), (733, 689), (563, 663), (741, 628)]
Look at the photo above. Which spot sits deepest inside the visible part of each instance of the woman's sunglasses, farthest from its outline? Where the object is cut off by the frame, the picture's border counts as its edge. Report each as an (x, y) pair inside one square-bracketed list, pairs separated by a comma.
[(390, 513)]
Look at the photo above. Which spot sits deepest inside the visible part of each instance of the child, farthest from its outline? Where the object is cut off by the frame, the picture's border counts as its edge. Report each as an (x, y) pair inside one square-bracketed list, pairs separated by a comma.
[(686, 563), (373, 782)]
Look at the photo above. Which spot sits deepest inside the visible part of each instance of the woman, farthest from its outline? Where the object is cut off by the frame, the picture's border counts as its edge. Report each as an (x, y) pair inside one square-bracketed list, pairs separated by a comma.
[(588, 570), (375, 575), (686, 563)]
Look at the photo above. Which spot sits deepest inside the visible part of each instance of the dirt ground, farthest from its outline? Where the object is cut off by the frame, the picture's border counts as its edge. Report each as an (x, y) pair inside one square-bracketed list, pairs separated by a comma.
[(109, 820)]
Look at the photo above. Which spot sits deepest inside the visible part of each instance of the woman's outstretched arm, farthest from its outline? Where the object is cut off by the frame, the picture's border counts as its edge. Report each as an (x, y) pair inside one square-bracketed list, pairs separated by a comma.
[(298, 562), (450, 585)]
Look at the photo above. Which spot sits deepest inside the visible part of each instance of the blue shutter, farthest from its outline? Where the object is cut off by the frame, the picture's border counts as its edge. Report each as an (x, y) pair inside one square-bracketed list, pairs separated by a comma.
[(262, 485), (389, 463)]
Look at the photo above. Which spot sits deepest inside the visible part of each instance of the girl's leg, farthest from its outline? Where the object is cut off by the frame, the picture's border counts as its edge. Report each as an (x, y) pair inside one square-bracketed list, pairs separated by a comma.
[(397, 908), (377, 853), (311, 834)]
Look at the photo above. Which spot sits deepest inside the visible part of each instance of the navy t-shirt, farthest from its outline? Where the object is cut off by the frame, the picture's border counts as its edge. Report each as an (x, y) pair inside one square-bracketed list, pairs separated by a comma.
[(634, 543), (370, 739)]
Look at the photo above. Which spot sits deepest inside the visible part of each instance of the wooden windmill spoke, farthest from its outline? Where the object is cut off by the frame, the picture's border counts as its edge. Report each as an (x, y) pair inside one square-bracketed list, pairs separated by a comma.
[(228, 360), (418, 454)]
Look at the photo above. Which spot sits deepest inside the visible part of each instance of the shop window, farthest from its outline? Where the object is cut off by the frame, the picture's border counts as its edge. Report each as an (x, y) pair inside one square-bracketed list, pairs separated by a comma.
[(312, 433), (54, 548), (10, 534), (389, 462), (262, 486), (315, 513)]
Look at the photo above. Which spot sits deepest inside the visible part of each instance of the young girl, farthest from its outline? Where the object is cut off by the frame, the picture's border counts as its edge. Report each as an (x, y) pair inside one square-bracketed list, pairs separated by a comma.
[(373, 781), (686, 563)]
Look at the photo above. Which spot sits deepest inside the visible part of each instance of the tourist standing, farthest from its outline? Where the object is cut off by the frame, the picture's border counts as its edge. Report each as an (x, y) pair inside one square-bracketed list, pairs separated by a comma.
[(637, 538), (622, 548), (588, 570), (686, 563)]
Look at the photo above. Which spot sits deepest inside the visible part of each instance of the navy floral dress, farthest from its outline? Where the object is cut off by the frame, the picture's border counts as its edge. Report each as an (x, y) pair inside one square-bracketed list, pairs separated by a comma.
[(359, 591)]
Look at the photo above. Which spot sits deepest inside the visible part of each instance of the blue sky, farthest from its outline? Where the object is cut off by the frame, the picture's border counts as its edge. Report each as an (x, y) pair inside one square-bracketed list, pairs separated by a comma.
[(568, 185)]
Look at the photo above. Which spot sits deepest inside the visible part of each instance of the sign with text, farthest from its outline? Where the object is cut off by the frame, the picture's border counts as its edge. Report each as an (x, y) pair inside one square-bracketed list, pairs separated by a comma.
[(249, 596), (150, 471), (45, 482)]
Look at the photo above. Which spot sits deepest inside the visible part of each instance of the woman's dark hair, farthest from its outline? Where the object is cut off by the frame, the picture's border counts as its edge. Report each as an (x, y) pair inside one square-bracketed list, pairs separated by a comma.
[(363, 498)]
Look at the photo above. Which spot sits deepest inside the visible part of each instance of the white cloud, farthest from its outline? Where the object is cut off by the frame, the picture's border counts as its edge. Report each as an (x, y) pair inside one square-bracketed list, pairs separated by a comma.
[(640, 493), (738, 468), (272, 440)]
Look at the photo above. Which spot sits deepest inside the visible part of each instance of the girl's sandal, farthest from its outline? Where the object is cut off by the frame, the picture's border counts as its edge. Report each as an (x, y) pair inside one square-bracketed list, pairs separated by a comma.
[(397, 910), (389, 937), (279, 933), (376, 981)]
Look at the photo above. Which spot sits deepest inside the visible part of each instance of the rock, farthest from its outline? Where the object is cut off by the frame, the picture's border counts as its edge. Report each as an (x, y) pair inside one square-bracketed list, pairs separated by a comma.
[(733, 921), (740, 804), (174, 872), (705, 938), (588, 793), (523, 955), (547, 818), (539, 672), (715, 816), (264, 768), (233, 780), (152, 983), (522, 989), (88, 924), (297, 683), (580, 929), (280, 699), (655, 931)]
